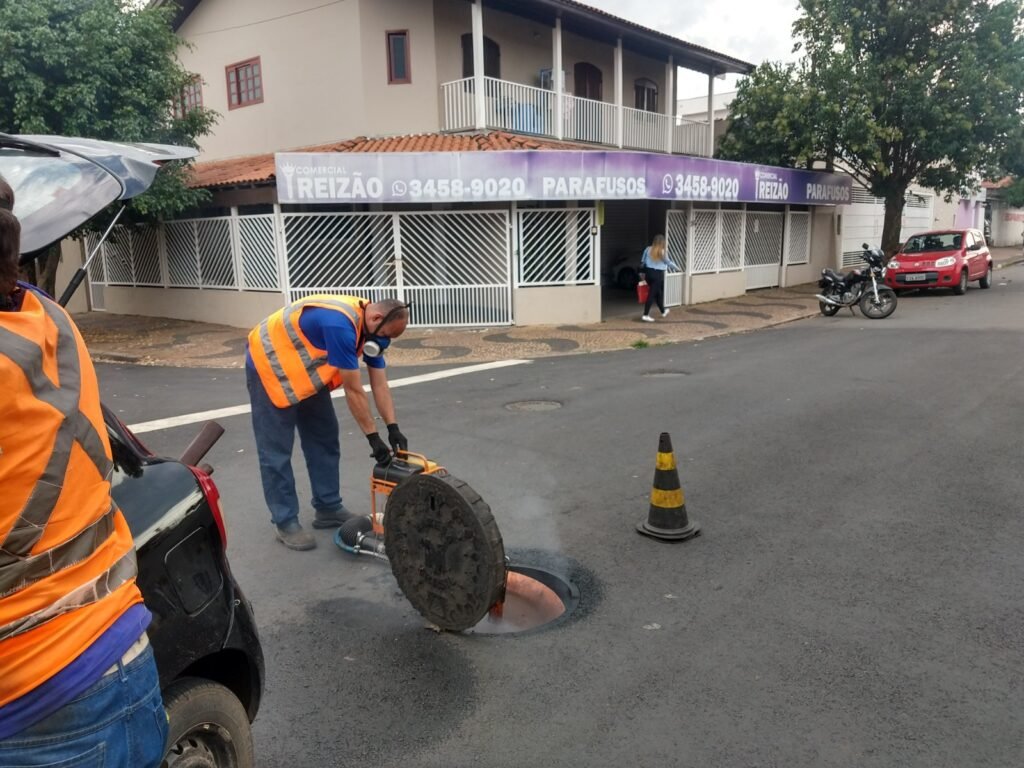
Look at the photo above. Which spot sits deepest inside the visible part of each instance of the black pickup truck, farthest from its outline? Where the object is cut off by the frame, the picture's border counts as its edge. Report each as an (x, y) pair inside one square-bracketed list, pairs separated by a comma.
[(203, 632)]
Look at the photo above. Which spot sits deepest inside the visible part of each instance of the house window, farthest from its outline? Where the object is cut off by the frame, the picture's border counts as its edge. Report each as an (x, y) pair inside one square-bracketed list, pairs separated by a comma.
[(245, 83), (492, 57), (646, 94), (398, 58), (191, 98), (587, 81)]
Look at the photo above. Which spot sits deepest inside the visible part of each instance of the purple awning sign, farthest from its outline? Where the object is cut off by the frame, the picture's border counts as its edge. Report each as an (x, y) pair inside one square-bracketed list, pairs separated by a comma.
[(467, 177)]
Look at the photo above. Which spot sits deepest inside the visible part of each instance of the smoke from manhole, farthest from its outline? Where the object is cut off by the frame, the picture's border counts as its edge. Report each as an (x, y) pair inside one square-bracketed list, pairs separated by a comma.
[(665, 373), (534, 405)]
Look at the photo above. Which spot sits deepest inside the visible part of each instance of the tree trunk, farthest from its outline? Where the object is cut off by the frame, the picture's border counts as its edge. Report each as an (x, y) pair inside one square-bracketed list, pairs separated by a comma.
[(895, 199), (48, 264)]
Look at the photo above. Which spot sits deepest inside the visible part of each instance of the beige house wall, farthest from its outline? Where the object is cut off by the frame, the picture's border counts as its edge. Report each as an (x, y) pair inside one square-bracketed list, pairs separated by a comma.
[(712, 287), (554, 306), (311, 66), (241, 309), (399, 108)]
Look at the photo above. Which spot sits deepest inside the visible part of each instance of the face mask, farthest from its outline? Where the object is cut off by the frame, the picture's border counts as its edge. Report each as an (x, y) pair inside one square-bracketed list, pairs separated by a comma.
[(375, 344)]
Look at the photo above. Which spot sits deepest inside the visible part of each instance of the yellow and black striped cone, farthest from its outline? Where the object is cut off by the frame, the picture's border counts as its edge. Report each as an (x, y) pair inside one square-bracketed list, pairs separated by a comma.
[(667, 518)]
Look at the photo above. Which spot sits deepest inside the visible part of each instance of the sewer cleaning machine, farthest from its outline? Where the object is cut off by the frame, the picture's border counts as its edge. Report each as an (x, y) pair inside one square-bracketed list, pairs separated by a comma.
[(439, 536)]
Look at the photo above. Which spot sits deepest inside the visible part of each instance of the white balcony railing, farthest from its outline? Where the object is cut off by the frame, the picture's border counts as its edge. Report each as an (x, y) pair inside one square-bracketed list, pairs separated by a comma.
[(525, 109), (690, 138), (588, 120), (459, 105), (645, 130)]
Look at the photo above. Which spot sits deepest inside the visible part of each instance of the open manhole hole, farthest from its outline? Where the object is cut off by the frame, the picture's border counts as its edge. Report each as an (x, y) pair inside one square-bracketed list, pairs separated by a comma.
[(533, 405), (447, 555), (534, 598), (665, 373)]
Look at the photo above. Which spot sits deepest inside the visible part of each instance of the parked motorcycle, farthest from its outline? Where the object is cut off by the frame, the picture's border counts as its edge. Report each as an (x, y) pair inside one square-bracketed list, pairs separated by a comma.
[(862, 287)]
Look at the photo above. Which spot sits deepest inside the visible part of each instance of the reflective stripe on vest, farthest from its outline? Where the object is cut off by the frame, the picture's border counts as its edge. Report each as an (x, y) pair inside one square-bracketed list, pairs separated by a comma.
[(317, 372), (19, 569)]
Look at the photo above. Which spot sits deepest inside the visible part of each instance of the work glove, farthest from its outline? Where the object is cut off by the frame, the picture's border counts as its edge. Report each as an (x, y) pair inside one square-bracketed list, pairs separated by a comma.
[(397, 439), (379, 451)]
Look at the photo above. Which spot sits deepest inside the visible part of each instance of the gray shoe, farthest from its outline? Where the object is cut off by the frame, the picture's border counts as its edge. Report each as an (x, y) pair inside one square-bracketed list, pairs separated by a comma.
[(331, 519), (293, 536)]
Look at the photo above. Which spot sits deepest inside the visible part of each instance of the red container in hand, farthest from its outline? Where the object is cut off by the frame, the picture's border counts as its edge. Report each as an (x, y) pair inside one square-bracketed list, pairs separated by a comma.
[(642, 290)]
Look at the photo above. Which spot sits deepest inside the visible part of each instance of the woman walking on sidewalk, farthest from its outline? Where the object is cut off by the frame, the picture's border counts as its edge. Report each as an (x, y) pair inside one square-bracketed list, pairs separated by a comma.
[(653, 265)]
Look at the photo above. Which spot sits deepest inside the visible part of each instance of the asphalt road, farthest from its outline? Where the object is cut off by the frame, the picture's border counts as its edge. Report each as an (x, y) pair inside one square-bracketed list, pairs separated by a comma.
[(854, 599)]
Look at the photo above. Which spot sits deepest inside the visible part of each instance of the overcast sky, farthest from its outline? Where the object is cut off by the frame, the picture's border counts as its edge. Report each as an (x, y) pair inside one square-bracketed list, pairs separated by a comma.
[(752, 30)]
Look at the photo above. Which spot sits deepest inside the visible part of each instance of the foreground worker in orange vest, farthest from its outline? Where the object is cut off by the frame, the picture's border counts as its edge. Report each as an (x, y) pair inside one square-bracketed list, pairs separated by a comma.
[(78, 683), (295, 358)]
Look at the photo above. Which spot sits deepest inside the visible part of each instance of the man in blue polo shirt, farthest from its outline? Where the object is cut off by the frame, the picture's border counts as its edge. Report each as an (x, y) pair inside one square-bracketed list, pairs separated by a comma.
[(290, 373)]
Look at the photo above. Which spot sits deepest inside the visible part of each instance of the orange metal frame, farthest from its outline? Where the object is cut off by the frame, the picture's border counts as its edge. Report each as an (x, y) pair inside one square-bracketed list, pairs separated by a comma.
[(384, 487)]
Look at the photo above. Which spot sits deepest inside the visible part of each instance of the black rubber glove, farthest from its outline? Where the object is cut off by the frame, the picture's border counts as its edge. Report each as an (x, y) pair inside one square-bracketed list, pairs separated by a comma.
[(379, 450), (397, 439)]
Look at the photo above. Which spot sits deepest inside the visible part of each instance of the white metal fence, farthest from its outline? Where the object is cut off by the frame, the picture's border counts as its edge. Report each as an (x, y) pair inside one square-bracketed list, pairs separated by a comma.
[(452, 266), (712, 240), (556, 247), (676, 244), (798, 249), (234, 253)]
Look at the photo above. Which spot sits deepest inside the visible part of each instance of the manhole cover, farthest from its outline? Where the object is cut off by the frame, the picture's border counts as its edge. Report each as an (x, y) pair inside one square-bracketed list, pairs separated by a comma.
[(445, 550), (534, 405), (665, 373)]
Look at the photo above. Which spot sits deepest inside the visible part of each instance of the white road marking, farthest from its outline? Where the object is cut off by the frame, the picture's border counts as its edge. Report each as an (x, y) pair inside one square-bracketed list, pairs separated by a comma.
[(237, 410)]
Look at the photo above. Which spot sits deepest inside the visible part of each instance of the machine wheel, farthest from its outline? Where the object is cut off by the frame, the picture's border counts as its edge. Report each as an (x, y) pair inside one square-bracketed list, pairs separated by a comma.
[(828, 309), (207, 727), (961, 287), (986, 281), (885, 306)]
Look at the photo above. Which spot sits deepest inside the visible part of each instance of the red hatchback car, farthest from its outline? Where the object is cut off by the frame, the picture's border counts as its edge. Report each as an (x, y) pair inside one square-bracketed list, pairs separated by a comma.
[(941, 259)]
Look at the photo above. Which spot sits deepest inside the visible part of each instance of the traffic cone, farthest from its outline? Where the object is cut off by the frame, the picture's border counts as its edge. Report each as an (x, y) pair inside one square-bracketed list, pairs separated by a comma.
[(667, 518)]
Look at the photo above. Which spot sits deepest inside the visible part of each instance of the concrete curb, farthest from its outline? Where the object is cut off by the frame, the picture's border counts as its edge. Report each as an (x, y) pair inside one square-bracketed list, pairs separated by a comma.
[(100, 356)]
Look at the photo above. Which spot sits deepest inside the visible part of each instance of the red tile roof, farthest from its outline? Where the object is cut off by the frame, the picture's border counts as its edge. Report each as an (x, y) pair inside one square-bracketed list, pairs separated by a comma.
[(259, 169), (1001, 184)]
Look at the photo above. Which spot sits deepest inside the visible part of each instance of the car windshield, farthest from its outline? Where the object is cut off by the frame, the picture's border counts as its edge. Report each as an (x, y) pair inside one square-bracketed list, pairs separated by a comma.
[(936, 241)]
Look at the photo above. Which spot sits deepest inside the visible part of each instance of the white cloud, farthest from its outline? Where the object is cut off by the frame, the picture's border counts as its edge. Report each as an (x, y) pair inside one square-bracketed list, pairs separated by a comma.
[(752, 30)]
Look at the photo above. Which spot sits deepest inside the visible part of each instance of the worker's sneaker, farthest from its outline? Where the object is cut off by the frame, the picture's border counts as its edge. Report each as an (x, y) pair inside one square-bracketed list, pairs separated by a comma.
[(293, 536), (647, 319), (665, 313), (331, 519)]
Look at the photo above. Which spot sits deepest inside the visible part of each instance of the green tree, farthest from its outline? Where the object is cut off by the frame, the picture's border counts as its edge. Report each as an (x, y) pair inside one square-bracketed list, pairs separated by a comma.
[(767, 122), (104, 69), (901, 91)]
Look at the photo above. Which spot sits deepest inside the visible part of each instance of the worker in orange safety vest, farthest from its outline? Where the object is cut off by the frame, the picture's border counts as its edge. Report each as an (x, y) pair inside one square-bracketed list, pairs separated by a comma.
[(294, 359), (78, 682)]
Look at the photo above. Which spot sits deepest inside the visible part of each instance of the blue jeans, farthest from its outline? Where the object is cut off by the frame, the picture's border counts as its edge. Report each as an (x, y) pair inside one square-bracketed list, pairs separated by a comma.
[(275, 428), (118, 723)]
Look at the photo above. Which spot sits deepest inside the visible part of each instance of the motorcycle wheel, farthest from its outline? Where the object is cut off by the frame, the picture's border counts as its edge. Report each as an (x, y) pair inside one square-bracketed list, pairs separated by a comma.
[(828, 309), (885, 306)]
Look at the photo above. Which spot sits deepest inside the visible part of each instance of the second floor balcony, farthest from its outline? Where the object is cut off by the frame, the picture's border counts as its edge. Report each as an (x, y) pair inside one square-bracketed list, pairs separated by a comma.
[(526, 109)]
